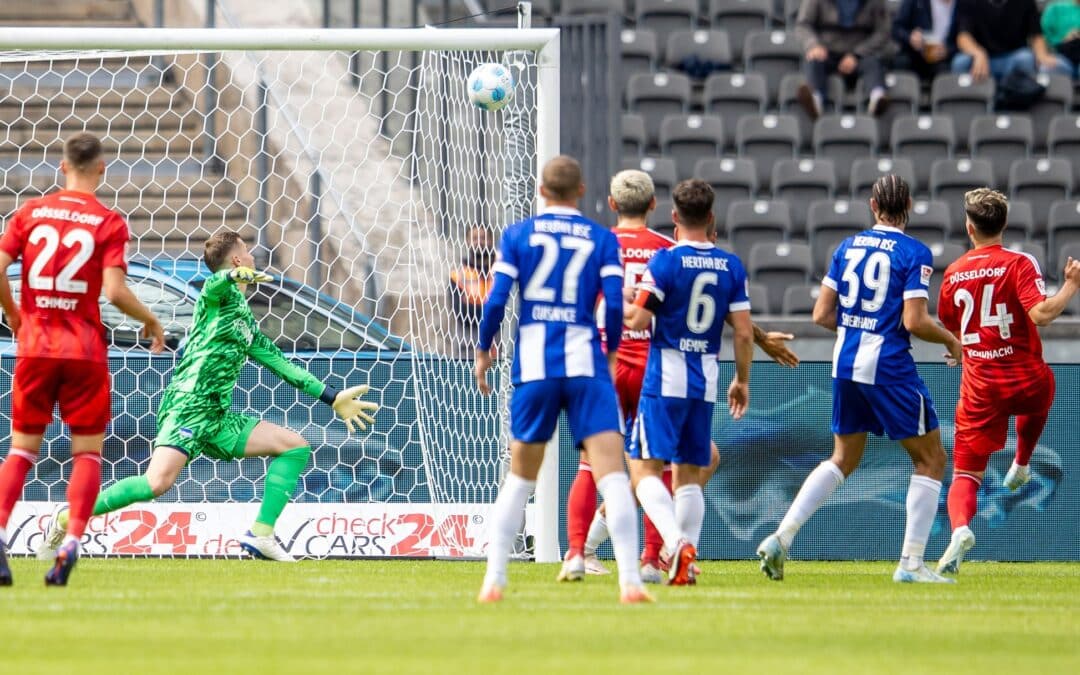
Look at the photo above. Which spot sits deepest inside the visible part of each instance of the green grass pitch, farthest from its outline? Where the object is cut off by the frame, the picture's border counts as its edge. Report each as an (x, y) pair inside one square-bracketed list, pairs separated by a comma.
[(228, 616)]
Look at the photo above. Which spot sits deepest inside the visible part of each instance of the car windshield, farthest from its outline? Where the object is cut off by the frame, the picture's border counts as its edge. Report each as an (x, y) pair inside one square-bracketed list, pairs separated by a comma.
[(294, 326)]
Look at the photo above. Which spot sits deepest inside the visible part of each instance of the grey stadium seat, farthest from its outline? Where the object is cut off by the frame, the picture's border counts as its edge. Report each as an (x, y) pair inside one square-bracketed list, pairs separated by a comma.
[(829, 222), (660, 218), (633, 135), (731, 180), (1063, 226), (800, 182), (662, 170), (944, 255), (767, 140), (773, 54), (734, 95), (800, 300), (1057, 101), (1064, 142), (579, 7), (779, 266), (639, 54), (701, 46), (905, 91), (740, 18), (951, 178), (788, 103), (1021, 221), (845, 139), (686, 139), (752, 222), (656, 96), (1070, 250), (963, 99), (1040, 182), (929, 222), (759, 298), (923, 139), (865, 172), (1001, 139), (664, 17)]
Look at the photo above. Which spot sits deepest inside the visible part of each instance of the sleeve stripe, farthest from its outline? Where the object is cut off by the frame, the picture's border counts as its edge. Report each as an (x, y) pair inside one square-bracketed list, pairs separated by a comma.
[(505, 268), (743, 306), (829, 282), (918, 293), (652, 289), (611, 271)]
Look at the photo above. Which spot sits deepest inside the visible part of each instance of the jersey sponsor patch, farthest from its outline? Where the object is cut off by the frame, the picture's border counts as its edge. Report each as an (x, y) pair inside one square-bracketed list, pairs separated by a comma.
[(927, 272), (1041, 285), (187, 433)]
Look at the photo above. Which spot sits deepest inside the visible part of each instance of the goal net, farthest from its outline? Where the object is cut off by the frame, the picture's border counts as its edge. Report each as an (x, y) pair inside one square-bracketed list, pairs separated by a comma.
[(366, 182)]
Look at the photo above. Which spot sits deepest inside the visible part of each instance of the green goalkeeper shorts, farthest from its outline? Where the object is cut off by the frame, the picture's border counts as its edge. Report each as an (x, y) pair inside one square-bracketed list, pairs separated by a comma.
[(199, 426)]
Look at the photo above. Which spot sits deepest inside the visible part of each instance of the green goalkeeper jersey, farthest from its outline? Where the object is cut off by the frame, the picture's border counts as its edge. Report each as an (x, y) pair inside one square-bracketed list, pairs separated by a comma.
[(223, 335)]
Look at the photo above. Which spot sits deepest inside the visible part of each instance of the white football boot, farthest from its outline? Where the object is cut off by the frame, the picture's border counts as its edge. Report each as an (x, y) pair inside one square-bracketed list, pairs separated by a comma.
[(963, 539), (54, 535), (1017, 477), (265, 548)]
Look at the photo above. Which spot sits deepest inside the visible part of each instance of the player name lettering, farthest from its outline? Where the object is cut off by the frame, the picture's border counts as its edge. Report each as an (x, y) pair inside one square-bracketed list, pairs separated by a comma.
[(703, 263), (860, 322), (638, 253), (561, 227), (637, 335), (66, 214), (549, 313), (868, 241), (52, 302), (983, 273), (693, 346), (989, 354)]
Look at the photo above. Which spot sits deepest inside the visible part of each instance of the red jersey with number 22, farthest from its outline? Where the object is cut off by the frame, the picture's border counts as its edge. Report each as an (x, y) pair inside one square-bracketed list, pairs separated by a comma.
[(65, 240), (638, 245), (985, 298)]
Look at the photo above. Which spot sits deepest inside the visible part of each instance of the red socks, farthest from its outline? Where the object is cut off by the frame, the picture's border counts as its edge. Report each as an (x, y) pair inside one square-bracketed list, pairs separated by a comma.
[(653, 541), (12, 477), (82, 492), (1028, 430), (963, 499), (580, 508)]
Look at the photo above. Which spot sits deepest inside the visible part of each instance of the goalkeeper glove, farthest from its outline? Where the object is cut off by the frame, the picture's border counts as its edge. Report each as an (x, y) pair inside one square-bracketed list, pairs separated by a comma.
[(352, 411), (246, 275)]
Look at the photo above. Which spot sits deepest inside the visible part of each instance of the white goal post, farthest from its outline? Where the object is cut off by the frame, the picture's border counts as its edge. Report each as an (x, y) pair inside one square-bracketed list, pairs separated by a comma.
[(299, 142)]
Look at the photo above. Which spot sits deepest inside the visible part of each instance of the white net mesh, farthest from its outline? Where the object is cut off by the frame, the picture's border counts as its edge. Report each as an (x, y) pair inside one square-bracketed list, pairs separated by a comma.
[(361, 180)]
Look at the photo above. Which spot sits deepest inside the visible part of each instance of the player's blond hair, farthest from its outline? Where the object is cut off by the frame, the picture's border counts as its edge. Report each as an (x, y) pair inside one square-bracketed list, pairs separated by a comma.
[(987, 210), (632, 191)]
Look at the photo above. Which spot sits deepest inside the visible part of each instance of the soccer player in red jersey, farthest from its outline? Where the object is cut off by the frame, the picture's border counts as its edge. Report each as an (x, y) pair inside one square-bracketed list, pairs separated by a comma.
[(993, 299), (72, 249)]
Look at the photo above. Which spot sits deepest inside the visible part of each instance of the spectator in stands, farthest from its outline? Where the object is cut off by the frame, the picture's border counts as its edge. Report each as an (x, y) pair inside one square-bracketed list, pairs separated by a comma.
[(996, 37), (1061, 28), (469, 286), (849, 37), (925, 31)]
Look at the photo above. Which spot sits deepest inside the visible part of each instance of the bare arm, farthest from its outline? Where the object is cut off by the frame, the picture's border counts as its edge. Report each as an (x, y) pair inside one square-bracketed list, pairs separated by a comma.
[(636, 317), (773, 343), (967, 44), (739, 390), (918, 322), (1049, 309), (114, 285), (825, 308), (7, 300)]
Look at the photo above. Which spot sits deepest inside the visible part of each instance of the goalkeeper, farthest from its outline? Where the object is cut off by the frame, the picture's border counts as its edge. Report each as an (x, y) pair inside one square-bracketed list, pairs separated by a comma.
[(195, 418)]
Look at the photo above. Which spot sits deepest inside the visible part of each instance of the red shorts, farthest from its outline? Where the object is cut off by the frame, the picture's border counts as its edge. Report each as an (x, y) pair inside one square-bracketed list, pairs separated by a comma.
[(628, 379), (982, 426), (80, 387)]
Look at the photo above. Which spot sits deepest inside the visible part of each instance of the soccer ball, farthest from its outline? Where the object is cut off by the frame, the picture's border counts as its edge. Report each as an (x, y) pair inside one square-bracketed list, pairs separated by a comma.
[(490, 86)]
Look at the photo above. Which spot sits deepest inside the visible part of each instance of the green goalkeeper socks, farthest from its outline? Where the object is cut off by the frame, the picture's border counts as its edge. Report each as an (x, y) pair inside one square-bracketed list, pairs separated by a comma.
[(280, 484), (123, 493)]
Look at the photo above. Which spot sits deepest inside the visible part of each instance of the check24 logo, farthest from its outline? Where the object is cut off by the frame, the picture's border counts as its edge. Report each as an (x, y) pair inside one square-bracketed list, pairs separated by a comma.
[(175, 531)]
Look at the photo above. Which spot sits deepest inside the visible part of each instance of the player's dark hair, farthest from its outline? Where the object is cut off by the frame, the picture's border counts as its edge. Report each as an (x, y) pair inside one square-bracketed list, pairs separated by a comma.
[(562, 178), (693, 200), (893, 196), (82, 150), (987, 210), (218, 247)]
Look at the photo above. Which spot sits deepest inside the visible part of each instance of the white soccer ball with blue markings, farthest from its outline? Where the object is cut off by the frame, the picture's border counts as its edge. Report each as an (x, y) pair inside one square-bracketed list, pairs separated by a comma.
[(491, 86)]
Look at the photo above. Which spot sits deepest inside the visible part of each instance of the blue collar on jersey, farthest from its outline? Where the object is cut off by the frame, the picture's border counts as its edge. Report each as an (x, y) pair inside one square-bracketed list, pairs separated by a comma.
[(888, 228), (701, 245), (559, 211)]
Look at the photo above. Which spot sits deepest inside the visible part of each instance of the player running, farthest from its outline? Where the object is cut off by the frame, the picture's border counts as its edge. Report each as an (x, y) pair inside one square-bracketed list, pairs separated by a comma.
[(562, 262), (73, 249), (993, 299), (875, 298), (691, 289), (194, 417)]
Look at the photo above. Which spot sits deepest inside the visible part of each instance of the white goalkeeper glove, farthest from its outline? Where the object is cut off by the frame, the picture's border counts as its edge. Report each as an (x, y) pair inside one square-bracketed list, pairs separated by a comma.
[(246, 275), (354, 412)]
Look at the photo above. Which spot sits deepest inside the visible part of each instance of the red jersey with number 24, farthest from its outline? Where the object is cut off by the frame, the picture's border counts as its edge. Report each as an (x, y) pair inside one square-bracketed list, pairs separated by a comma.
[(638, 245), (65, 240), (985, 298)]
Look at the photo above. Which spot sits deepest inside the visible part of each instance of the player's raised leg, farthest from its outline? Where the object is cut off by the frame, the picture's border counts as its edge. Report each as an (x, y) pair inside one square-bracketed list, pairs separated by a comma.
[(1028, 430), (291, 454)]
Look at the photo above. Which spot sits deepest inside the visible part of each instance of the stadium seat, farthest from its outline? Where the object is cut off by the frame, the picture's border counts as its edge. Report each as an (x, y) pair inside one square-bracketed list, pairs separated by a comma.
[(828, 222), (1070, 250), (639, 54), (800, 300), (773, 54), (929, 222), (1021, 221), (660, 218), (751, 222), (662, 170), (1064, 142), (579, 7), (1001, 139), (698, 51), (633, 135), (1040, 182), (790, 11), (800, 182), (923, 139), (944, 255), (1057, 101), (733, 95), (778, 266), (1034, 249), (788, 103), (657, 96), (845, 139), (1063, 225), (740, 18), (905, 92), (951, 178), (731, 180), (686, 139), (664, 17), (759, 298), (767, 139), (865, 172), (962, 98)]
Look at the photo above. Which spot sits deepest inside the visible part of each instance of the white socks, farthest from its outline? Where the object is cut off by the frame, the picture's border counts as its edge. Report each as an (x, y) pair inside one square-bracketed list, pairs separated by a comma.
[(660, 507), (690, 511), (922, 502), (622, 519), (598, 534), (821, 483), (506, 518)]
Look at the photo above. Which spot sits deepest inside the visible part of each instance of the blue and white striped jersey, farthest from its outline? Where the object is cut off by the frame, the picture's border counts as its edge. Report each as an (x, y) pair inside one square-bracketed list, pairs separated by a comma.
[(873, 273), (561, 261), (697, 286)]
